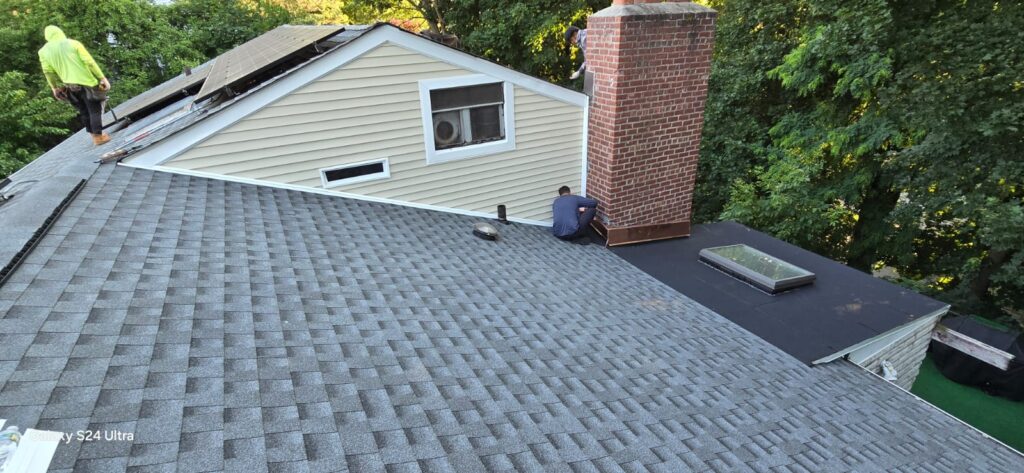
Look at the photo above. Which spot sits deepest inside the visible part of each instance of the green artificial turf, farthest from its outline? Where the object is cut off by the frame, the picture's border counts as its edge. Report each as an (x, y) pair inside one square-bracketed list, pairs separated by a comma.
[(996, 416)]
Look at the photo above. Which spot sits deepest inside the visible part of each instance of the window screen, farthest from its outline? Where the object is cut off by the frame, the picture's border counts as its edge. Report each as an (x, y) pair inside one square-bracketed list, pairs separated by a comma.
[(485, 123), (464, 97), (354, 171)]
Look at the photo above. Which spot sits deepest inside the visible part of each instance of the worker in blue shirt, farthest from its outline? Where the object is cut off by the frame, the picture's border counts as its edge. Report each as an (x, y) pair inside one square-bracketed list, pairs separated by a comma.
[(572, 214)]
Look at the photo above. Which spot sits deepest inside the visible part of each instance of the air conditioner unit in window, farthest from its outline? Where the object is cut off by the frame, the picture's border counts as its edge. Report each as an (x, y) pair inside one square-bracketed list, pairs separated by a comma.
[(447, 128)]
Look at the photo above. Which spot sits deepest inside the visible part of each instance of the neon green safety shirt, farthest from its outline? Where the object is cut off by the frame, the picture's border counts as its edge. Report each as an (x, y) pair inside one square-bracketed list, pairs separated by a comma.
[(65, 61)]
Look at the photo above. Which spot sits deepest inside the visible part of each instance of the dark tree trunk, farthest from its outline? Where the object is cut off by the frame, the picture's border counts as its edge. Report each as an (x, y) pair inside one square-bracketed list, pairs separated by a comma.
[(983, 280), (432, 13), (870, 231)]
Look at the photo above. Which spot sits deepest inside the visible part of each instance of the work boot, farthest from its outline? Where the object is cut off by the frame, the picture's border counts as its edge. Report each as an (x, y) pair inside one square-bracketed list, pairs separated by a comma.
[(100, 138), (582, 241)]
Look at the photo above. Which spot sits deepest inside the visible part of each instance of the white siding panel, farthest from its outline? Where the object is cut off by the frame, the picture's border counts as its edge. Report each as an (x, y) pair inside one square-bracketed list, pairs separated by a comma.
[(370, 109)]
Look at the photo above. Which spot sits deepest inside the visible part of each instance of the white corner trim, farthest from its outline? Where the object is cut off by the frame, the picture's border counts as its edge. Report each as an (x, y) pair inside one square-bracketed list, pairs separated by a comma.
[(386, 174), (173, 145), (882, 341), (586, 145), (333, 193), (436, 156)]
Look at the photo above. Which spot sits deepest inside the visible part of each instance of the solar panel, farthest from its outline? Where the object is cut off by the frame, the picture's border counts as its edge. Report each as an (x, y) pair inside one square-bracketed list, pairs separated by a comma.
[(350, 33), (261, 53), (159, 93)]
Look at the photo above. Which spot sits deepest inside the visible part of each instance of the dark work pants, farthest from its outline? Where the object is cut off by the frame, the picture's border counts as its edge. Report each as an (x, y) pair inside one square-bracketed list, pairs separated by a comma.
[(585, 218), (90, 112)]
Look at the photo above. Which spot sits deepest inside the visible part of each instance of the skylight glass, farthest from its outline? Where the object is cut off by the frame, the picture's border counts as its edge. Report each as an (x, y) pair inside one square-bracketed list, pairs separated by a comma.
[(757, 268)]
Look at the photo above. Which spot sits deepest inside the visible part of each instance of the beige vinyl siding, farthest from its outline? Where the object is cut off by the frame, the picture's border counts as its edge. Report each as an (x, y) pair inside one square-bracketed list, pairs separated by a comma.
[(370, 109)]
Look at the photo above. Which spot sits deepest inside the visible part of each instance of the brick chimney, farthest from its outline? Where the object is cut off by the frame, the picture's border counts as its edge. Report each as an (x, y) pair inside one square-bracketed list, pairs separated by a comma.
[(649, 63)]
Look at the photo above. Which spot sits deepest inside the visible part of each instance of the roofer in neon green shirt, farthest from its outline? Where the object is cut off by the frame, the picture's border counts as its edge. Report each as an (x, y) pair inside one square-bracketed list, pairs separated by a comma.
[(74, 76)]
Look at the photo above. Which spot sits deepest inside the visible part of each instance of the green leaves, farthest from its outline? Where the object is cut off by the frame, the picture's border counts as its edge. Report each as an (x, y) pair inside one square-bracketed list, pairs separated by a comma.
[(31, 121), (879, 133), (136, 43), (215, 26), (525, 35)]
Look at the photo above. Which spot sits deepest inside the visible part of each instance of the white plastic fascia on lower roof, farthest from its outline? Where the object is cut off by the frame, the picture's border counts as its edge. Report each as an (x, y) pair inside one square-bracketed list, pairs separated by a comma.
[(35, 451)]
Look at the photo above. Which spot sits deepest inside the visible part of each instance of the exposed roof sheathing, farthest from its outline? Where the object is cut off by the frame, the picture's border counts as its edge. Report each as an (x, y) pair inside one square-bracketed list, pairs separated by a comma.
[(260, 53)]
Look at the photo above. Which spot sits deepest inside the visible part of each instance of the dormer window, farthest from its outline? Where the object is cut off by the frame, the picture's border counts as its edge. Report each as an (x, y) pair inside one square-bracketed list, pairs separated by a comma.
[(466, 117)]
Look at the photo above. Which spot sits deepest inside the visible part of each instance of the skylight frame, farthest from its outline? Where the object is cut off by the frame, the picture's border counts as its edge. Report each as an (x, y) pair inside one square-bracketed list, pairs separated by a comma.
[(712, 257)]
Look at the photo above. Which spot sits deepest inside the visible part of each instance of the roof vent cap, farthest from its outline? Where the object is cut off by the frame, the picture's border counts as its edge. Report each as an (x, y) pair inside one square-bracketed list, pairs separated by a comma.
[(485, 231)]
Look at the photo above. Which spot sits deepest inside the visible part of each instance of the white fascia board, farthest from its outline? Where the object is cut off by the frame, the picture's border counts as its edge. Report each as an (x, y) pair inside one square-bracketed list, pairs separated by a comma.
[(333, 193), (35, 452), (173, 145), (873, 345), (467, 61)]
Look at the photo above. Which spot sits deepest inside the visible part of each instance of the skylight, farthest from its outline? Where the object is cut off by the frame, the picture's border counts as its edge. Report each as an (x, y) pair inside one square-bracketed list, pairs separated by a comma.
[(756, 268)]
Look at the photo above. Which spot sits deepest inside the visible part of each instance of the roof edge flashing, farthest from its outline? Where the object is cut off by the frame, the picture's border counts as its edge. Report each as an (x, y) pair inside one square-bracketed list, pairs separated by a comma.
[(866, 344)]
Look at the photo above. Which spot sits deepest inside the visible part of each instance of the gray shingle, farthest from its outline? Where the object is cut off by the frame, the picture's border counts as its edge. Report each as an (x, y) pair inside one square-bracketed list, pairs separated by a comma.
[(201, 451), (253, 329), (101, 465)]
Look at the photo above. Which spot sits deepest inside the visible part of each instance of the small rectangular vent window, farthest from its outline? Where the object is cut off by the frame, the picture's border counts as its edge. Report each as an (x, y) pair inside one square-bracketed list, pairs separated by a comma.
[(352, 173), (756, 268)]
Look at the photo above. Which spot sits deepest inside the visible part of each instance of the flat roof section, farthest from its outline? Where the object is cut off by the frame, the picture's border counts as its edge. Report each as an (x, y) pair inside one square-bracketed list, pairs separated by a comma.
[(842, 308)]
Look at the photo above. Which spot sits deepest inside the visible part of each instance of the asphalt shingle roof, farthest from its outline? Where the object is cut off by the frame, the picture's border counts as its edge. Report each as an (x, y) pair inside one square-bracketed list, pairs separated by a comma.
[(243, 328)]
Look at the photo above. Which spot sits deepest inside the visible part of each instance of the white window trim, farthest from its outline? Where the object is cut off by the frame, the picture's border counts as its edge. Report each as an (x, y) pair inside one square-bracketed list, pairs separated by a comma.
[(352, 180), (436, 156)]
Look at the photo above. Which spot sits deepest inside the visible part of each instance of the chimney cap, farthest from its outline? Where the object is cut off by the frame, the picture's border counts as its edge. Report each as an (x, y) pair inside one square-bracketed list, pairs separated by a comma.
[(648, 7)]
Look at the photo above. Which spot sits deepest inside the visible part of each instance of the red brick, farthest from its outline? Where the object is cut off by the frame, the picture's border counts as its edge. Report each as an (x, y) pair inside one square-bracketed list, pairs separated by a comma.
[(650, 75)]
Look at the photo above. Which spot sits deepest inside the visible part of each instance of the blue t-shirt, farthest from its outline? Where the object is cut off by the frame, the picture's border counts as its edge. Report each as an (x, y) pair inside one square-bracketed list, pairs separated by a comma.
[(565, 210)]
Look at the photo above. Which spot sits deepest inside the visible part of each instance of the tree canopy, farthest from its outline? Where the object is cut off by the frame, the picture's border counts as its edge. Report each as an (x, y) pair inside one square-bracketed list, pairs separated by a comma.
[(882, 134)]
